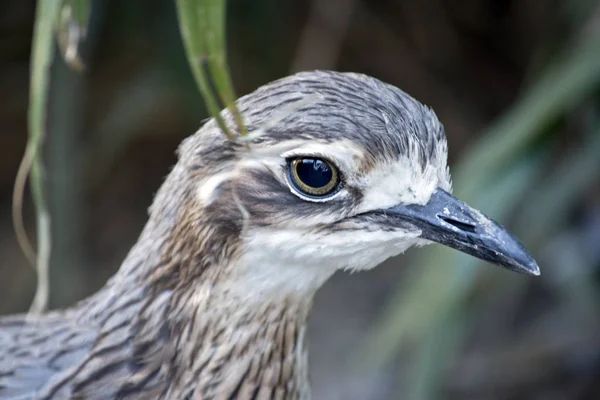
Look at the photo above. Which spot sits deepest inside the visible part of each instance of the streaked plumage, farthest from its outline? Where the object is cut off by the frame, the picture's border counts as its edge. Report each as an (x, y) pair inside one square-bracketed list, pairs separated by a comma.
[(213, 299)]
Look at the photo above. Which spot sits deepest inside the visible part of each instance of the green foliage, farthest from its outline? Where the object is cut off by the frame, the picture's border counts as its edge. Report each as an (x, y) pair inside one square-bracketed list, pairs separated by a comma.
[(202, 24), (42, 53), (67, 19)]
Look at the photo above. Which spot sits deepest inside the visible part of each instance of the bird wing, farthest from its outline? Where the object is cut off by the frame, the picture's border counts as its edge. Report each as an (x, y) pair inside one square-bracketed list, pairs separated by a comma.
[(34, 350)]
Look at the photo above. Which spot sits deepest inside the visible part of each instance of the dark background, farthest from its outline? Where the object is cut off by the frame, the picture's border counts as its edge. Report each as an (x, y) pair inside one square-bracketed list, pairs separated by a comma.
[(113, 130)]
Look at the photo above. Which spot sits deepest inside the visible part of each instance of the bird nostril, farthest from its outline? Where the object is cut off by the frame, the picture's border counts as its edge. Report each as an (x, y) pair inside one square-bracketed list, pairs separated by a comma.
[(463, 226)]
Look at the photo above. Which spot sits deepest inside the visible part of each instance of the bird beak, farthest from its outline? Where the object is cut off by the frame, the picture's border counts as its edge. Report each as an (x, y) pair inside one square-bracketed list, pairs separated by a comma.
[(445, 219)]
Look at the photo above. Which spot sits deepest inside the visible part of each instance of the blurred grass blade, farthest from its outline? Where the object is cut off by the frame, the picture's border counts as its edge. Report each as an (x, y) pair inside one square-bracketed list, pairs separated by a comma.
[(439, 343), (72, 29), (202, 24), (43, 49), (213, 18), (551, 203), (562, 86)]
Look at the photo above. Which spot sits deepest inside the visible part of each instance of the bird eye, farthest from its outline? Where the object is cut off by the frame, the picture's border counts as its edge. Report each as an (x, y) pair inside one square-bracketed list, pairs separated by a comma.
[(313, 176)]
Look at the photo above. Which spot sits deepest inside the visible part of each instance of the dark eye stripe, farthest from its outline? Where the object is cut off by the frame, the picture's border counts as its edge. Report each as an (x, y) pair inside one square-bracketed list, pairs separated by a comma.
[(313, 176)]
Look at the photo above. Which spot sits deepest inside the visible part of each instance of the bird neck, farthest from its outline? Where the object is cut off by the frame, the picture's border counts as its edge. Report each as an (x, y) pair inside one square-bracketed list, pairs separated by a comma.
[(217, 335), (229, 346), (220, 327)]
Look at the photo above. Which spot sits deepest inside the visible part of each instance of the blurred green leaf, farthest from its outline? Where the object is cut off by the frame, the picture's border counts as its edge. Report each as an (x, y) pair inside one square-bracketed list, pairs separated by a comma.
[(550, 203), (438, 344), (561, 87), (202, 24), (43, 49)]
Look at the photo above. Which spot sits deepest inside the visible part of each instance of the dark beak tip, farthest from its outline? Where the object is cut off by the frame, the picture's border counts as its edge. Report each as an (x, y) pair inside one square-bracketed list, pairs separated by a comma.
[(530, 268), (524, 263), (519, 258)]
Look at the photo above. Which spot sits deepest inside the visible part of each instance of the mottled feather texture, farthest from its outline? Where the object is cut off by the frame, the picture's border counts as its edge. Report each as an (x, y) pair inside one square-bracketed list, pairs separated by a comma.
[(212, 301)]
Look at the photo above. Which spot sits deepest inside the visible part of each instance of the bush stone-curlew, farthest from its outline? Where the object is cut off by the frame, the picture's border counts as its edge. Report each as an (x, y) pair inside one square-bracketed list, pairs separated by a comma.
[(212, 301)]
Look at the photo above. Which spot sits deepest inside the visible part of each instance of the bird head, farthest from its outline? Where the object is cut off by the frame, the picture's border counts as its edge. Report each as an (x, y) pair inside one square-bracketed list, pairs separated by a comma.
[(338, 171)]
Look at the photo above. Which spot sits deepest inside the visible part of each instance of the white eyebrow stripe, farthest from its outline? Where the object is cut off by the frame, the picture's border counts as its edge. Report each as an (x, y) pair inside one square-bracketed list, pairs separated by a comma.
[(207, 188)]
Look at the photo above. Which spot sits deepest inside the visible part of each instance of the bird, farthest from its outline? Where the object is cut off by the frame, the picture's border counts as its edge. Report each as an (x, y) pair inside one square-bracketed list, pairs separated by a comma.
[(337, 171)]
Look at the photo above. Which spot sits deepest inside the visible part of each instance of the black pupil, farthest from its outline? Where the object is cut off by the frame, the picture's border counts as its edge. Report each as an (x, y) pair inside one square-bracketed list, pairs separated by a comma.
[(314, 172)]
